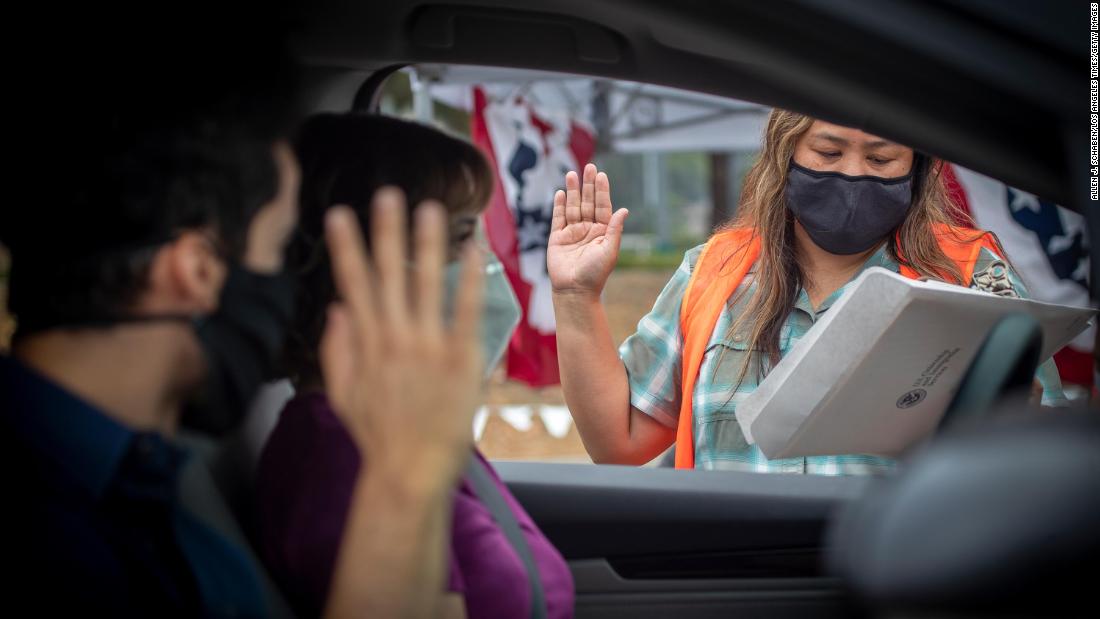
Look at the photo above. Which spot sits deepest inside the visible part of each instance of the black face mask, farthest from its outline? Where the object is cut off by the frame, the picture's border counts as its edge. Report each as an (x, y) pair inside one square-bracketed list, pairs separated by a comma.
[(847, 214), (242, 342)]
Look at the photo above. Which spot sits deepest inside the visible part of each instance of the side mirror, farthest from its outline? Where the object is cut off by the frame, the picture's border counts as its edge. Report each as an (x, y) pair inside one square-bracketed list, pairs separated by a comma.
[(1005, 365), (1000, 518)]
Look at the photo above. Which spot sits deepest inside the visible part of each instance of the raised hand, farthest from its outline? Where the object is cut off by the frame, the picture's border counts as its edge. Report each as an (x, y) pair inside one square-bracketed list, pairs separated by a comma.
[(584, 235), (404, 386)]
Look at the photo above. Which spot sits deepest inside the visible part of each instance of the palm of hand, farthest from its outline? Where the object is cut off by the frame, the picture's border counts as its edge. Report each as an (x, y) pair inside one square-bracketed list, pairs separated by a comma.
[(585, 235)]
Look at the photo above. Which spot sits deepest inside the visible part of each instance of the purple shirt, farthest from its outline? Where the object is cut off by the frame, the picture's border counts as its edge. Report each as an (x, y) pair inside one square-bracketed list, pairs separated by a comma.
[(305, 479)]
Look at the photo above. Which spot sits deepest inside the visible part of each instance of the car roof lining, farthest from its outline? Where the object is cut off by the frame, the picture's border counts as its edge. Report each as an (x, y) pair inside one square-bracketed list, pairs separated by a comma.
[(814, 59)]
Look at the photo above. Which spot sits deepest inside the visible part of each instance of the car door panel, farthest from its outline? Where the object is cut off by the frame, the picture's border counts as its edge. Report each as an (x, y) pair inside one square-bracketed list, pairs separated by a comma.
[(649, 542)]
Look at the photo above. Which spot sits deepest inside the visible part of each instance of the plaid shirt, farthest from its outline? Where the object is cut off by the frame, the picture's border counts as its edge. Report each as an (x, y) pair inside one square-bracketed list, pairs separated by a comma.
[(653, 354)]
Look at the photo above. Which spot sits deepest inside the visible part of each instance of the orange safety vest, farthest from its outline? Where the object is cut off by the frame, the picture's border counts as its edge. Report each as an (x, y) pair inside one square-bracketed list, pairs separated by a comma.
[(721, 267)]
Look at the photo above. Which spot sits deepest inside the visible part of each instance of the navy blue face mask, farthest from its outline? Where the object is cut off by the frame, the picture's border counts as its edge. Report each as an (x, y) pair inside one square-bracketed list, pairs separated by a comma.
[(847, 214)]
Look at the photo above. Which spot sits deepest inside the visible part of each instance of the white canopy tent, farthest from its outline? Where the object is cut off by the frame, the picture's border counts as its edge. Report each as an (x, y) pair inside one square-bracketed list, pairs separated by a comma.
[(639, 117), (627, 117)]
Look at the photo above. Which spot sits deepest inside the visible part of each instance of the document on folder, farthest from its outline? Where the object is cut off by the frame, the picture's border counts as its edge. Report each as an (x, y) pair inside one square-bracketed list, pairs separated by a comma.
[(876, 374)]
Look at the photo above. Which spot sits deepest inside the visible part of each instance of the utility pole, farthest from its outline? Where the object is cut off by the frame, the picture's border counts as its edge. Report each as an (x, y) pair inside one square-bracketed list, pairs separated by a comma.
[(720, 210)]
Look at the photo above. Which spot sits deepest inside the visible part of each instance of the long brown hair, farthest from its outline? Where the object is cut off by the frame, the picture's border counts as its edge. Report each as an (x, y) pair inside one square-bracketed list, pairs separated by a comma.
[(779, 276)]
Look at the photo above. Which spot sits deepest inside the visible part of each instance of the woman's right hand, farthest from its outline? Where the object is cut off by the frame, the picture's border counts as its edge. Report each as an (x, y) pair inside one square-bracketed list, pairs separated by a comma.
[(584, 244), (405, 386), (584, 235)]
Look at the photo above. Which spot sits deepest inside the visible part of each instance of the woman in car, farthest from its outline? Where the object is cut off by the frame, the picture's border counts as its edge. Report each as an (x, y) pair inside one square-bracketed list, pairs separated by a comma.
[(308, 466), (821, 204)]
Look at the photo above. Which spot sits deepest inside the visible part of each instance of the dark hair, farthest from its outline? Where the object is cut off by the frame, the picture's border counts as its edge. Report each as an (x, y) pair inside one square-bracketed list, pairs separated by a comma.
[(345, 158), (165, 133)]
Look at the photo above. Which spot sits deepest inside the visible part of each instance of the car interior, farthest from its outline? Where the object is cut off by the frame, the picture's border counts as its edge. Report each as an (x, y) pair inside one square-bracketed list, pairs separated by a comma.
[(997, 86)]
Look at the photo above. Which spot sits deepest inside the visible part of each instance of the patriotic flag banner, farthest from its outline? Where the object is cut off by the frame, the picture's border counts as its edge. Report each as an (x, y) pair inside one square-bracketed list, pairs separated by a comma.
[(1047, 245), (530, 149)]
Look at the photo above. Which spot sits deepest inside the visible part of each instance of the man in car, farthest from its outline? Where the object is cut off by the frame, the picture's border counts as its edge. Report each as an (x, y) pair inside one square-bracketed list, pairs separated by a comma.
[(148, 289)]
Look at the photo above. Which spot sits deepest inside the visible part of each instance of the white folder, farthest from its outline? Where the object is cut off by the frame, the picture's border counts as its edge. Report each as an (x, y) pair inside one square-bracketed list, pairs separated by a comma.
[(877, 372)]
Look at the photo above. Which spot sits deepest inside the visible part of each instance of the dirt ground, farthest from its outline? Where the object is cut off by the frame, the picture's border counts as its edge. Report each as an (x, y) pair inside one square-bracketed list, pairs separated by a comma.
[(629, 295)]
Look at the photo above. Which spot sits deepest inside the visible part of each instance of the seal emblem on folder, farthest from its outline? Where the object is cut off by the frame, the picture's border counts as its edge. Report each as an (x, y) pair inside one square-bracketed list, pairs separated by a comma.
[(912, 398)]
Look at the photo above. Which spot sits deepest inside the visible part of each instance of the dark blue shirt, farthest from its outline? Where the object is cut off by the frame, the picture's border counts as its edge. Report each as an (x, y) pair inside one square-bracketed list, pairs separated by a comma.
[(93, 513)]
